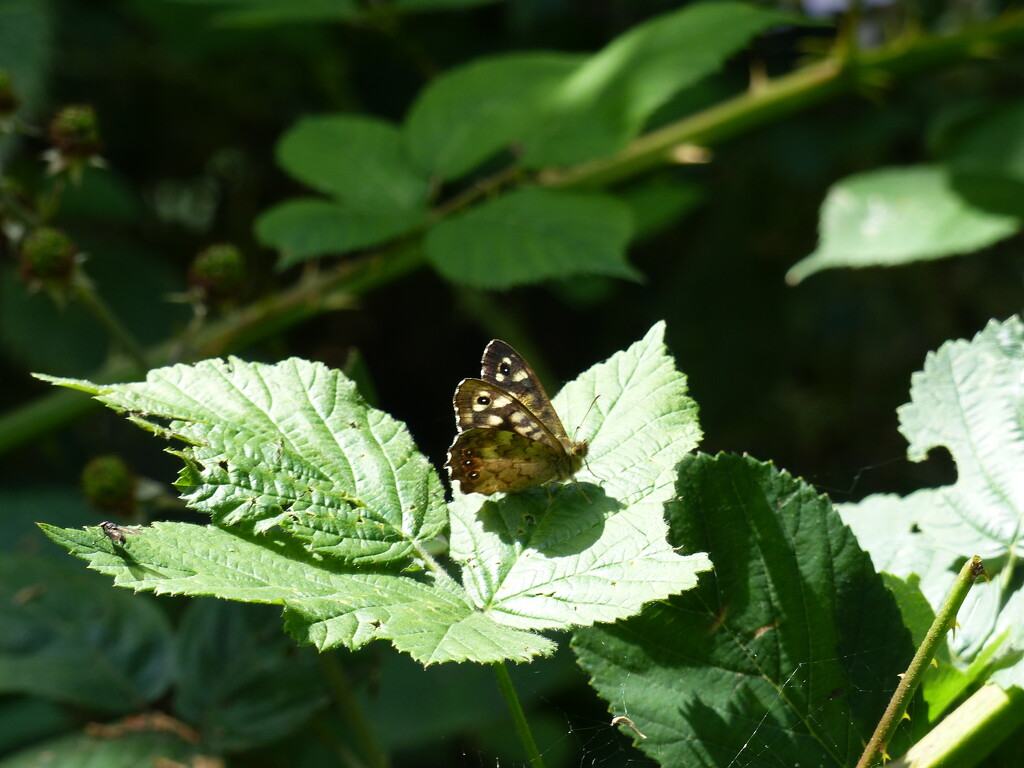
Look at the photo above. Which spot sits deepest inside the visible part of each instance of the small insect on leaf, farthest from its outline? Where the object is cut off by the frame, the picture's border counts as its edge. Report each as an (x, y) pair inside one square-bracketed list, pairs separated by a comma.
[(115, 532)]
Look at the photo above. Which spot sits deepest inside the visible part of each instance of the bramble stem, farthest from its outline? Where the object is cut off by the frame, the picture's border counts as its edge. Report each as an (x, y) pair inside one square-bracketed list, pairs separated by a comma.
[(518, 718), (945, 620)]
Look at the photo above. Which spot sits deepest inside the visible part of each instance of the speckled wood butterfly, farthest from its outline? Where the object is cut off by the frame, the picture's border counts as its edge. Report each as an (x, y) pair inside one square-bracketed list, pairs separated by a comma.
[(510, 438)]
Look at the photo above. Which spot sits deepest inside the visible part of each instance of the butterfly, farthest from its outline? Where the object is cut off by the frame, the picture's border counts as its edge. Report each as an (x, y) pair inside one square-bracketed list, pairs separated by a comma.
[(509, 436)]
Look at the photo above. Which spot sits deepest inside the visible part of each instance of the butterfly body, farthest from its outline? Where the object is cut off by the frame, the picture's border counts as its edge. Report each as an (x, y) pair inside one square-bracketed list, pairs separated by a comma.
[(509, 436)]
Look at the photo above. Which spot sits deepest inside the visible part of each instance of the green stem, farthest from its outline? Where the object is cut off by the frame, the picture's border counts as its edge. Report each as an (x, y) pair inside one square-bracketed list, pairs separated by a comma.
[(967, 736), (86, 293), (945, 620), (351, 713), (786, 95), (518, 718)]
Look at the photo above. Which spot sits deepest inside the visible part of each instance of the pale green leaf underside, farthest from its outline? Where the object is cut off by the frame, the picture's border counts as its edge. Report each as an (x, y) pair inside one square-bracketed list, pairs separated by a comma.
[(968, 399), (533, 235), (324, 605), (896, 216), (291, 444), (539, 561)]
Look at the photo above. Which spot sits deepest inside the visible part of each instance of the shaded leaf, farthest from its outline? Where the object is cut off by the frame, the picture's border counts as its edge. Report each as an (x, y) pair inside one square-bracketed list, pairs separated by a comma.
[(308, 227), (258, 13), (533, 235), (469, 114), (114, 747), (241, 681), (987, 161), (769, 661), (439, 5), (26, 41), (70, 638), (658, 201)]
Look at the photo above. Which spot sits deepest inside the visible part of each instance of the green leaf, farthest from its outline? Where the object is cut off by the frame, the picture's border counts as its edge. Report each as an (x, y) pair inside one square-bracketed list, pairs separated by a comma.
[(324, 604), (897, 216), (308, 227), (553, 561), (967, 399), (987, 161), (258, 13), (68, 637), (113, 747), (291, 444), (240, 680), (605, 102), (469, 114), (532, 235), (359, 161), (770, 661), (564, 108), (331, 537)]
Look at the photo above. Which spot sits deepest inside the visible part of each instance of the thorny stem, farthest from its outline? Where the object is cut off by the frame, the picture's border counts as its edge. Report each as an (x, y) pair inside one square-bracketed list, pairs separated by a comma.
[(945, 620)]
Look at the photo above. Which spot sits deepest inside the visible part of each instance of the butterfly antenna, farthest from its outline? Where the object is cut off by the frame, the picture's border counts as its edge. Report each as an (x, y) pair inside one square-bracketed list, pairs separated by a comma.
[(580, 425)]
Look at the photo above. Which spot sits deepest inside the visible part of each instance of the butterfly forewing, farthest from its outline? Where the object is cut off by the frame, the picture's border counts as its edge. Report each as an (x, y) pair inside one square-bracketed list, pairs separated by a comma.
[(507, 368), (483, 404)]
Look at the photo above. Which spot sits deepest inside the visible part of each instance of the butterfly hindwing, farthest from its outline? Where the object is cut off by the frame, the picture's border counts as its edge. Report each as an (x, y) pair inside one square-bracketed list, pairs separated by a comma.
[(488, 461)]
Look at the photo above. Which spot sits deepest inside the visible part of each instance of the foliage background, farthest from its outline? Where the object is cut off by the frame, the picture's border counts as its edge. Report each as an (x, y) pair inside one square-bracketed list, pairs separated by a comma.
[(191, 109)]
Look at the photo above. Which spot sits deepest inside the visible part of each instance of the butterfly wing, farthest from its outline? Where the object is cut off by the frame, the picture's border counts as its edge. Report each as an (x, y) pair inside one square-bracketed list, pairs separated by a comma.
[(486, 405), (487, 460), (507, 368)]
